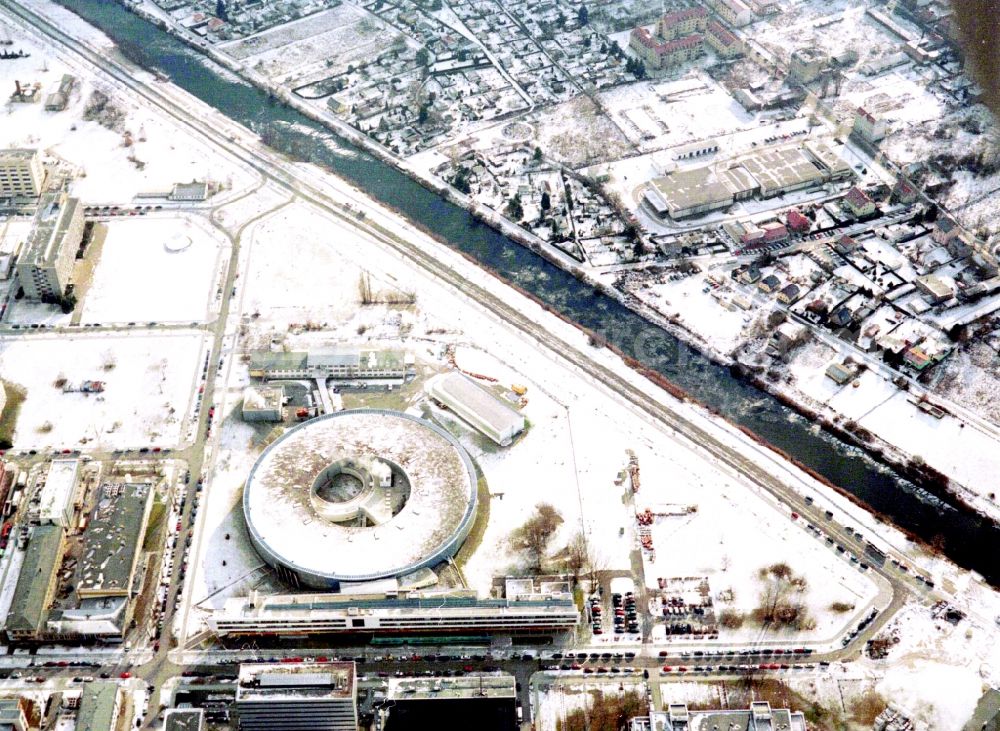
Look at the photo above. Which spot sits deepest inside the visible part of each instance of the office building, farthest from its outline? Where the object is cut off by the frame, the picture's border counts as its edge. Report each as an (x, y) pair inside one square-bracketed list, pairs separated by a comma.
[(46, 265), (21, 174)]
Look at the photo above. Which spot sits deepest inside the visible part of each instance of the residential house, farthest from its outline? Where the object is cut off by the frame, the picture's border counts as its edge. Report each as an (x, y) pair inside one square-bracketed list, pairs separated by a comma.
[(842, 373), (858, 204), (845, 245), (769, 284), (789, 294), (945, 230), (798, 223), (904, 192), (935, 289)]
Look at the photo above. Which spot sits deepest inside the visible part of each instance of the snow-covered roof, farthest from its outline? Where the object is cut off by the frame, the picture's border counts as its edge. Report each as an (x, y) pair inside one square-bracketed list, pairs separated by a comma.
[(288, 530)]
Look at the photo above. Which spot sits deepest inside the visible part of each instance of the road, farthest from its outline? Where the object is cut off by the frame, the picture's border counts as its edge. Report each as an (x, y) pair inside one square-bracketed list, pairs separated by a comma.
[(362, 215)]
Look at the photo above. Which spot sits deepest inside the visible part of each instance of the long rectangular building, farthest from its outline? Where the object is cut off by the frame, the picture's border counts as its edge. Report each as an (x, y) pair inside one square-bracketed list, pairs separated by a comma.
[(58, 494), (299, 614), (476, 406), (339, 363), (112, 540), (36, 584)]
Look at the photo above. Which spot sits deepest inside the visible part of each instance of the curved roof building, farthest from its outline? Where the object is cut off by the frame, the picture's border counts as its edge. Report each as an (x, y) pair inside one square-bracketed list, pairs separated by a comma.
[(359, 495)]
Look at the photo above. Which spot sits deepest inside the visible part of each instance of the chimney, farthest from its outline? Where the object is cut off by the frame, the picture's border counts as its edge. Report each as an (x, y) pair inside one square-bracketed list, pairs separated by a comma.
[(17, 87)]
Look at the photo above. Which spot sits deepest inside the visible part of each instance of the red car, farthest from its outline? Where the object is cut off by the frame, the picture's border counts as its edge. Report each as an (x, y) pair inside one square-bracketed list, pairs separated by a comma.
[(126, 675)]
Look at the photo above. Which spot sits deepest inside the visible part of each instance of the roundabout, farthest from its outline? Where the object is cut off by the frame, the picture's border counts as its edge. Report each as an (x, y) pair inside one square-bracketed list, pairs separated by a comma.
[(359, 495)]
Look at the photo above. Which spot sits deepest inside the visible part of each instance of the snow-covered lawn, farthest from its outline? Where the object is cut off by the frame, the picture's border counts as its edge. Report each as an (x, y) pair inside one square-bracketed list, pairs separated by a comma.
[(147, 394), (155, 269)]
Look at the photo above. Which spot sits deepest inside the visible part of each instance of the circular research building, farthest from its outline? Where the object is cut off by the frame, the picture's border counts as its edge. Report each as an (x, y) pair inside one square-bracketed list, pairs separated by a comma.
[(359, 495)]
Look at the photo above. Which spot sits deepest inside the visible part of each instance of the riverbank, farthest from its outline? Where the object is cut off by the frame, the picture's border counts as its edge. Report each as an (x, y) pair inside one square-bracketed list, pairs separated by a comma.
[(560, 291), (926, 476)]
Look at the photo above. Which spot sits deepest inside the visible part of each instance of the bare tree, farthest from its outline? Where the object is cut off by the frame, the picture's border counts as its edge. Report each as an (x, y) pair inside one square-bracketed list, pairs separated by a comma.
[(365, 288), (533, 537)]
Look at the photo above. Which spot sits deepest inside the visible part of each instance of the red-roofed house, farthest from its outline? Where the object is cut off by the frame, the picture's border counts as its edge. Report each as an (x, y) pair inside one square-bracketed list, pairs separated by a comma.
[(723, 42), (797, 222), (682, 23), (858, 203), (662, 55), (903, 192)]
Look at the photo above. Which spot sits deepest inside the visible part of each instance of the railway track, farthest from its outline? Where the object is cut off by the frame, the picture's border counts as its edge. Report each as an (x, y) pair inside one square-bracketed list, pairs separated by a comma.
[(273, 167)]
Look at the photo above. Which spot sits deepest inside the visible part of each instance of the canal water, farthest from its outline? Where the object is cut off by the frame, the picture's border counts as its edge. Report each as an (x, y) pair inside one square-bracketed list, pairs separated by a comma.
[(968, 540)]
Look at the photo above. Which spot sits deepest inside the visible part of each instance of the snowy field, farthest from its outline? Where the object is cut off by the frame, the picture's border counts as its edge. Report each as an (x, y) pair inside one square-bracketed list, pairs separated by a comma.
[(311, 48), (736, 534), (832, 26), (967, 453), (656, 115), (162, 153), (147, 398), (155, 269)]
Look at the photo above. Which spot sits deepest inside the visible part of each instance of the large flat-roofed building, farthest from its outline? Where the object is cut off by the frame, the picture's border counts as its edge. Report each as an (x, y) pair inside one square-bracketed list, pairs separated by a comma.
[(21, 174), (36, 584), (46, 263), (112, 540), (807, 64), (696, 191), (782, 170), (339, 363), (302, 614), (184, 719), (834, 167), (314, 696), (476, 406), (759, 717), (489, 698), (100, 706), (58, 495)]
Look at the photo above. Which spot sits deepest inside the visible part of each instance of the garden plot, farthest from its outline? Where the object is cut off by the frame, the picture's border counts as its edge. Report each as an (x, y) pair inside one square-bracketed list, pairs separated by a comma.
[(157, 270), (148, 388)]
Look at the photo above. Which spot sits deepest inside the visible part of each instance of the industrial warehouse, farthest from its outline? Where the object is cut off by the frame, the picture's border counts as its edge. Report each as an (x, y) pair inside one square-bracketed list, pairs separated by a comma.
[(763, 174)]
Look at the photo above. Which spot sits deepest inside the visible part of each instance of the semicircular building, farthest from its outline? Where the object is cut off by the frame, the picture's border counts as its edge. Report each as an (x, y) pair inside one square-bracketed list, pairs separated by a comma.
[(359, 495)]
